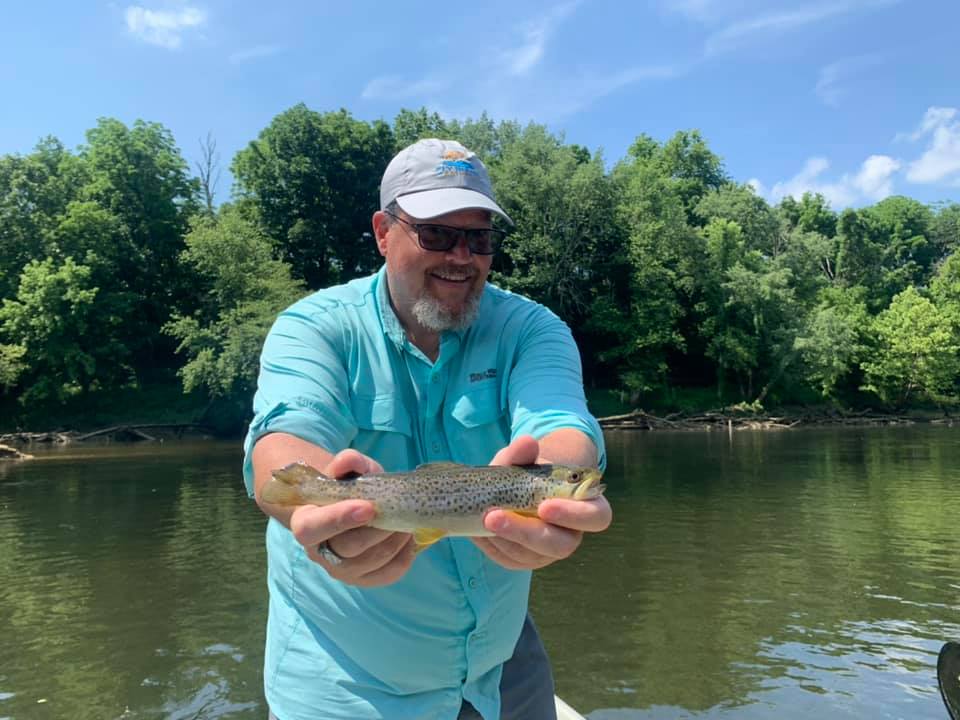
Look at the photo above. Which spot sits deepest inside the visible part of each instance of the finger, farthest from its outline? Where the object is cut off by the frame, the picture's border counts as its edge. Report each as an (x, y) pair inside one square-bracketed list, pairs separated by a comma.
[(533, 533), (522, 451), (391, 571), (350, 461), (511, 555), (311, 524), (583, 515), (355, 542), (385, 561)]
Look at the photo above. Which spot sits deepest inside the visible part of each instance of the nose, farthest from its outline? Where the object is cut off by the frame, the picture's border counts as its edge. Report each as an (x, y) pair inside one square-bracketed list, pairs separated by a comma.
[(460, 253)]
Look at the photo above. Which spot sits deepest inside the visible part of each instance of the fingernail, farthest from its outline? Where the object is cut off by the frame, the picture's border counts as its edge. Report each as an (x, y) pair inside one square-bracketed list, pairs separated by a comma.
[(361, 514), (499, 523)]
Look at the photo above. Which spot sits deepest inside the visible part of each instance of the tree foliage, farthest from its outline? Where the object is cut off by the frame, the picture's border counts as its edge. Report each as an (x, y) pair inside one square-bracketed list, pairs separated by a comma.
[(670, 274)]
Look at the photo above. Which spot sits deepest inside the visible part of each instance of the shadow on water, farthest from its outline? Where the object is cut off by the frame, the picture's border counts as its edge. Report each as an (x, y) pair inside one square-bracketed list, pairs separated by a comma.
[(763, 575)]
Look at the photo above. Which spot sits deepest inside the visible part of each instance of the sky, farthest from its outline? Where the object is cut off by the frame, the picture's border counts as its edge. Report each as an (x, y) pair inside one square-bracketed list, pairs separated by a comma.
[(856, 99)]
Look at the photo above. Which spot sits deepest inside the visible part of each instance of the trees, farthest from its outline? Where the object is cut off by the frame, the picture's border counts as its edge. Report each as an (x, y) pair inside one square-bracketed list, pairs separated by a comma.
[(311, 181), (245, 287), (916, 356)]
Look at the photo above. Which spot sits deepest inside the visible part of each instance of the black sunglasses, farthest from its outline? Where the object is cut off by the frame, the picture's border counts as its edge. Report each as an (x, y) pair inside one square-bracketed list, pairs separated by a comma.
[(441, 238)]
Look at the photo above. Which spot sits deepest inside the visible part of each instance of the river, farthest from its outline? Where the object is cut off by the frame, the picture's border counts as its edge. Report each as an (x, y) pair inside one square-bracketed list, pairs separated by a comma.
[(795, 574)]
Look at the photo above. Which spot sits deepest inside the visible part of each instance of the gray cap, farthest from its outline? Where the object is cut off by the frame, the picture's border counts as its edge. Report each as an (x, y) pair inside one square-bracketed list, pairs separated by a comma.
[(435, 177)]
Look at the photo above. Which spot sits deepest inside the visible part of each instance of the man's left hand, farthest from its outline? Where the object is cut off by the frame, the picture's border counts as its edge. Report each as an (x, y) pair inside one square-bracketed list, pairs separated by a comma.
[(526, 543)]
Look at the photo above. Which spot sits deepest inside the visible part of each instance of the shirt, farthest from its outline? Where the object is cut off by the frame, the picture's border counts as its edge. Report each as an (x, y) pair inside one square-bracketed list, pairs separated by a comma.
[(337, 370)]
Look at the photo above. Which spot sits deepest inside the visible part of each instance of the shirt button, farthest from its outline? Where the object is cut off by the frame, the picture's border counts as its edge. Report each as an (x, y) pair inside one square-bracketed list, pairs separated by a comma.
[(435, 378), (472, 582), (436, 447)]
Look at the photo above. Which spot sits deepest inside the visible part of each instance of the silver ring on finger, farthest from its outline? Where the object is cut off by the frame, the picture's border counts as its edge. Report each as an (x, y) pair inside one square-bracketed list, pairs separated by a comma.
[(326, 552)]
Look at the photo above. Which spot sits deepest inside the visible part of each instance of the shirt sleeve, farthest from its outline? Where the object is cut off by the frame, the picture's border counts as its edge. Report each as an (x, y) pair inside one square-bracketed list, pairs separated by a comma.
[(545, 392), (302, 388)]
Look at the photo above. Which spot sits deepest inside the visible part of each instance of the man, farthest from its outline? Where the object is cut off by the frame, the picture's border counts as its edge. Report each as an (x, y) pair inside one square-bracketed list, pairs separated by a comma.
[(421, 362)]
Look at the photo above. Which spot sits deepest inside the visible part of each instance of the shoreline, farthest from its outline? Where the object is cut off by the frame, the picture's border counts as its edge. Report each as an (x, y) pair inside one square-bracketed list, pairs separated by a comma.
[(730, 420)]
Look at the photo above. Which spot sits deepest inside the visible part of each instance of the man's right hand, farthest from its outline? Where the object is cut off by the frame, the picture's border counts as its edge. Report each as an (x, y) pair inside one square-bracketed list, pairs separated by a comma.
[(369, 557)]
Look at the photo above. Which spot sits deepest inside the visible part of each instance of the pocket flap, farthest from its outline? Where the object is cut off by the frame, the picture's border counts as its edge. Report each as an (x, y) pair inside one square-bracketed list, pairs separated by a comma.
[(477, 408), (380, 412)]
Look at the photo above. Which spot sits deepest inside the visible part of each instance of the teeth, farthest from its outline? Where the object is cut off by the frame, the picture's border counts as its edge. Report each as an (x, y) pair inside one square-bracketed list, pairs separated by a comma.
[(451, 276)]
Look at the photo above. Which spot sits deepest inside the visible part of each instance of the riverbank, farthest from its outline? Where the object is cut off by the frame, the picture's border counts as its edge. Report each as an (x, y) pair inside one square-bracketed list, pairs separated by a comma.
[(734, 419)]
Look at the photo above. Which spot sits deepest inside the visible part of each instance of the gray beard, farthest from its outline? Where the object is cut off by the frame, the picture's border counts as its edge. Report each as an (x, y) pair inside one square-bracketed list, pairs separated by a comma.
[(432, 316)]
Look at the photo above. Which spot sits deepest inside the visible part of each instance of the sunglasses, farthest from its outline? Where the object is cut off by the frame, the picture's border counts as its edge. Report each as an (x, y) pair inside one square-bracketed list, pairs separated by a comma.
[(442, 238)]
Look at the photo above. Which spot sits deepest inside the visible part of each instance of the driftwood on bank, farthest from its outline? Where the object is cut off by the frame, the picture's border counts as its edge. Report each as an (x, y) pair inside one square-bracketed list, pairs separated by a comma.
[(738, 420), (114, 432), (9, 453)]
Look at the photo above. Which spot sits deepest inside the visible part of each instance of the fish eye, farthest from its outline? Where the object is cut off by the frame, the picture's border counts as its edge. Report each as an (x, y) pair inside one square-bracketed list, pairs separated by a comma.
[(575, 476)]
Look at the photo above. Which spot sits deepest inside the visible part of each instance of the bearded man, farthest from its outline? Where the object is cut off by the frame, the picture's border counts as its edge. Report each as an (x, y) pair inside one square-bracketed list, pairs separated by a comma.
[(422, 362)]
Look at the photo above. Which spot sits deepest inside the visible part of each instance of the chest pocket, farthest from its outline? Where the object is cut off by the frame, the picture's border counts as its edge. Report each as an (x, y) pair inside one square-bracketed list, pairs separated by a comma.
[(384, 429), (478, 426)]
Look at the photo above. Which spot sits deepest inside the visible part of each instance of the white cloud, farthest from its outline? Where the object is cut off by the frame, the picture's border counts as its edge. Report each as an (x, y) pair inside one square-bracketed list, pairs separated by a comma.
[(254, 53), (872, 182), (162, 27), (829, 86), (521, 59), (394, 87), (941, 160), (700, 10), (777, 23)]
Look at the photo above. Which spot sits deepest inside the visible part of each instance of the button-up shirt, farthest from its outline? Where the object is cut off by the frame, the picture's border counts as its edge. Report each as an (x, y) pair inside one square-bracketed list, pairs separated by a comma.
[(337, 370)]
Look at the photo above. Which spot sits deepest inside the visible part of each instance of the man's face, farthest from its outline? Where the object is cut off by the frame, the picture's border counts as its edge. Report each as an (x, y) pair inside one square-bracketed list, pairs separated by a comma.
[(435, 290)]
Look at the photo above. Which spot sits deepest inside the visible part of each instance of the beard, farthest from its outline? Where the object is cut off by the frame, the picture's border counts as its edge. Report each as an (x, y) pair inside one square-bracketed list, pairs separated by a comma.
[(433, 316)]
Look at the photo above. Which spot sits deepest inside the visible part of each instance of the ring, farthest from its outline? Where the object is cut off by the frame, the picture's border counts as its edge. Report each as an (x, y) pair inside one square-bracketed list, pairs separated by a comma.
[(327, 553)]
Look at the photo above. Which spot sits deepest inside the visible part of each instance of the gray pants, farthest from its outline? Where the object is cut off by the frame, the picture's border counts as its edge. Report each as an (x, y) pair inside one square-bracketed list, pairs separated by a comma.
[(526, 687)]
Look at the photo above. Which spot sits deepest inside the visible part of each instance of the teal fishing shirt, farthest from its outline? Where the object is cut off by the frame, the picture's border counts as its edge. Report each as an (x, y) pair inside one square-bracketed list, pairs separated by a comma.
[(337, 370)]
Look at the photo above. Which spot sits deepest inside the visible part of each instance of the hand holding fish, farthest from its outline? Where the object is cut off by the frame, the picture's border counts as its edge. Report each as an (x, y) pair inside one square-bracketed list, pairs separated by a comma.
[(528, 543), (368, 556)]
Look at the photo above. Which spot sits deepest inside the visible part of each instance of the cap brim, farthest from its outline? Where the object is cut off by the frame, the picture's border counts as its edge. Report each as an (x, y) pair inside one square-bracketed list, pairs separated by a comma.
[(428, 204)]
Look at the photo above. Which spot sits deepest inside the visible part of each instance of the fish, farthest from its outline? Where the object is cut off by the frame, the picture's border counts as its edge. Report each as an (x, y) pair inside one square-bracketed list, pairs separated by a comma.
[(437, 499)]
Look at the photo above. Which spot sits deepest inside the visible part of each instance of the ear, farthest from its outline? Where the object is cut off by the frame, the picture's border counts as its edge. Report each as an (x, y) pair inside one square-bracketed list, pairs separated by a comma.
[(381, 227)]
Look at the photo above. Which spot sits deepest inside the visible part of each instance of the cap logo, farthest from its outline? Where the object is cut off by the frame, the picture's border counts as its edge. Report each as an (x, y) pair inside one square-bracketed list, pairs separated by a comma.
[(454, 163)]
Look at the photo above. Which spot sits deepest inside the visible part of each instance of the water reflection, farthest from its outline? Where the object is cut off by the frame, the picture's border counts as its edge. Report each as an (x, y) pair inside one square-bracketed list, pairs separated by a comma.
[(771, 575)]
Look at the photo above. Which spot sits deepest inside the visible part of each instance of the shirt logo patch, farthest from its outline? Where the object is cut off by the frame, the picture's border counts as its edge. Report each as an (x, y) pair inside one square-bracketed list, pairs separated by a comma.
[(485, 375)]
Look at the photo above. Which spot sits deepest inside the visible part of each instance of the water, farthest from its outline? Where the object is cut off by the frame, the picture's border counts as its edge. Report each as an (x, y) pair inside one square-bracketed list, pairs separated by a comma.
[(788, 575)]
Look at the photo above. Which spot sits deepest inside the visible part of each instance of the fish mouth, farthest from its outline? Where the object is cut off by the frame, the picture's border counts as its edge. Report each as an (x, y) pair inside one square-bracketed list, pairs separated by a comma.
[(590, 487)]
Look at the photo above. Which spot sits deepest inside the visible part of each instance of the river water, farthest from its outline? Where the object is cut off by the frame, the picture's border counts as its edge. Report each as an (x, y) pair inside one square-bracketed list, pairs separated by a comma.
[(795, 574)]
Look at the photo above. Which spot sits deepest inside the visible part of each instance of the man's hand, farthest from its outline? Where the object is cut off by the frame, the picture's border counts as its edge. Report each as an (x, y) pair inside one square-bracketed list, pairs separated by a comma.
[(524, 543), (369, 557)]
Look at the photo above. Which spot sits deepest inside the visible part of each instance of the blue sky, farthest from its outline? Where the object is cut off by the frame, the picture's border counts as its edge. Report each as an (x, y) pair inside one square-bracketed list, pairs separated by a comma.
[(857, 99)]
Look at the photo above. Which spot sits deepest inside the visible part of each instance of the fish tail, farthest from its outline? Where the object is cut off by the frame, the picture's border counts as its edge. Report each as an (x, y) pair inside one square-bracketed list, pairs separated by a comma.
[(280, 492), (286, 485)]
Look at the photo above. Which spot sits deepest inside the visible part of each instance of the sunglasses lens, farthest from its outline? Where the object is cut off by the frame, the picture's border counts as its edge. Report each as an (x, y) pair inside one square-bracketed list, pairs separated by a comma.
[(438, 237)]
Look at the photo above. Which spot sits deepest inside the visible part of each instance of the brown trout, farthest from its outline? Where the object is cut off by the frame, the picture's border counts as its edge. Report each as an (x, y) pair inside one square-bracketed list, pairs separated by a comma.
[(437, 499)]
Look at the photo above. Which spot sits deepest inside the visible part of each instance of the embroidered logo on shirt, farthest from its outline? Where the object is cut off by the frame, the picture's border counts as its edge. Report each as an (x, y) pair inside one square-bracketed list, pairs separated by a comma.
[(485, 375)]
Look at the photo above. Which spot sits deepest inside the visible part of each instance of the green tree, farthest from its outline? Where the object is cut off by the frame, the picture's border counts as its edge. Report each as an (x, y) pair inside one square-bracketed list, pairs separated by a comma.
[(245, 288), (916, 356), (833, 339), (739, 203), (811, 213), (138, 177), (67, 334), (313, 181)]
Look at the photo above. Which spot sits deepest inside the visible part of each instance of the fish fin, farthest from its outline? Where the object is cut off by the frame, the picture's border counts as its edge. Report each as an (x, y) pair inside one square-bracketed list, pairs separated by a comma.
[(425, 537), (448, 466), (526, 513)]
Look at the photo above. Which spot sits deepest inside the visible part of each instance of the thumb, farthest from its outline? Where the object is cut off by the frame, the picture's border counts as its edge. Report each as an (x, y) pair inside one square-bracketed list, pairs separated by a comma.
[(347, 462), (524, 450)]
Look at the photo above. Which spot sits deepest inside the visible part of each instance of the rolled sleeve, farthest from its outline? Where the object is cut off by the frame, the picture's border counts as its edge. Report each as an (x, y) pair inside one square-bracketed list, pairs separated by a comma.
[(302, 384), (546, 385)]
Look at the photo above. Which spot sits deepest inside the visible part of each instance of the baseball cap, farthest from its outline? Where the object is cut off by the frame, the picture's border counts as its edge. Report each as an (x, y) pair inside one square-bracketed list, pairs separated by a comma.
[(434, 177)]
